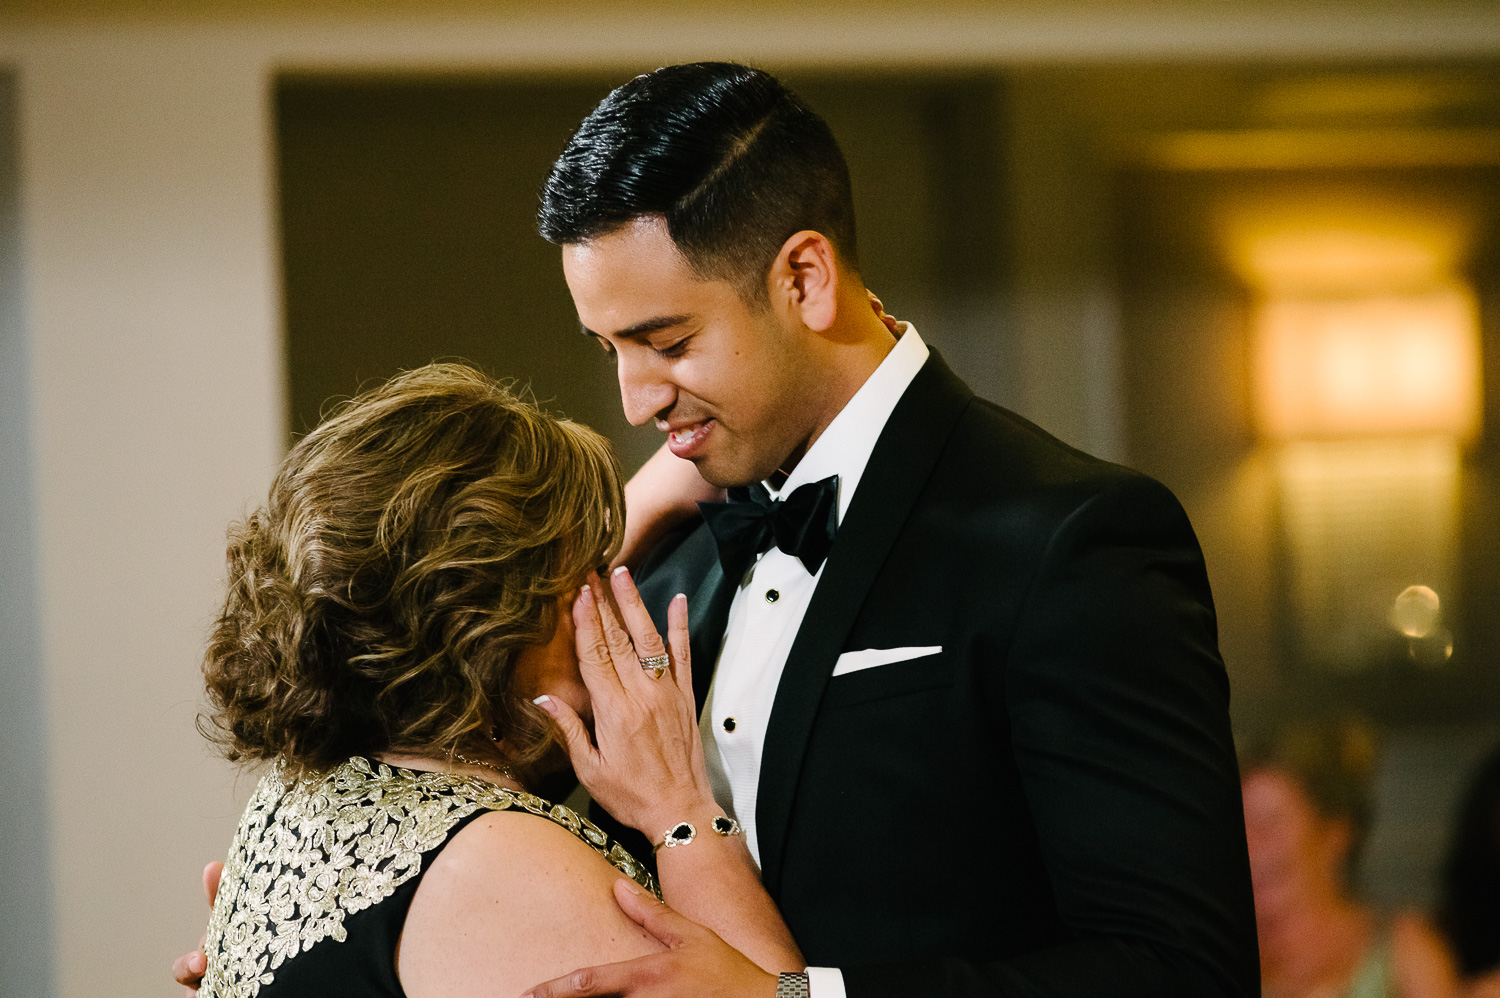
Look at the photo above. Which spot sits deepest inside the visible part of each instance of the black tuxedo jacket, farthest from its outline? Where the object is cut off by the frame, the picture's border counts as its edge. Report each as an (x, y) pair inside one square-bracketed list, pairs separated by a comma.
[(1051, 805)]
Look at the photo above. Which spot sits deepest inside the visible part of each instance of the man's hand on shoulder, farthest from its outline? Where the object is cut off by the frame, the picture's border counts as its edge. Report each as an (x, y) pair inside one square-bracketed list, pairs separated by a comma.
[(697, 963), (189, 968)]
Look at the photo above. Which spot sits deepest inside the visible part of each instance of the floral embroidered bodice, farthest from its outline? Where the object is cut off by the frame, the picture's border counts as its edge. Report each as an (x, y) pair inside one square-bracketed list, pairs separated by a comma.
[(323, 869)]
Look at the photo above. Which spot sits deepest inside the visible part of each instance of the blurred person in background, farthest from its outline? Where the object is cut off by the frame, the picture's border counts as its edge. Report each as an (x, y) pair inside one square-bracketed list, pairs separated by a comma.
[(1307, 793), (1469, 911)]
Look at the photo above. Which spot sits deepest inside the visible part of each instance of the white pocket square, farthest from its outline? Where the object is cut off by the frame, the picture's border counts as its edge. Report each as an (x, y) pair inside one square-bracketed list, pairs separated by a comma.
[(854, 661)]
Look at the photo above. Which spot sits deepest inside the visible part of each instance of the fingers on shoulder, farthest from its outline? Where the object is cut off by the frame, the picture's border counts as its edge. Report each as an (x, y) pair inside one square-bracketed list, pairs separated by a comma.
[(597, 982), (188, 969)]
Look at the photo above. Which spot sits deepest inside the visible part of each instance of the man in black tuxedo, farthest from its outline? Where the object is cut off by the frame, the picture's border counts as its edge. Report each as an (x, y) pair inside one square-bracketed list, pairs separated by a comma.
[(960, 682)]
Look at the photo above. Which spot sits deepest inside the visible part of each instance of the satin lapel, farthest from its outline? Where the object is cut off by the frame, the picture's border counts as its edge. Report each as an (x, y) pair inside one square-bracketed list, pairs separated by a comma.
[(899, 467), (708, 613)]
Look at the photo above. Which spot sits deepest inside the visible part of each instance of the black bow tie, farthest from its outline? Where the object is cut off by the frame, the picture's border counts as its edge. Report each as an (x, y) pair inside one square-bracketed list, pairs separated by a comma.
[(802, 524)]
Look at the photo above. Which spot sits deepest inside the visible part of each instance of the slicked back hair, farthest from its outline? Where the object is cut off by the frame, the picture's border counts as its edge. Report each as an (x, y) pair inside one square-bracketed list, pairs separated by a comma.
[(726, 154)]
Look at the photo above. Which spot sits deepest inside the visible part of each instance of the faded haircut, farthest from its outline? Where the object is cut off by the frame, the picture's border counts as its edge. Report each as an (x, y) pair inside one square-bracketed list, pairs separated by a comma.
[(731, 159)]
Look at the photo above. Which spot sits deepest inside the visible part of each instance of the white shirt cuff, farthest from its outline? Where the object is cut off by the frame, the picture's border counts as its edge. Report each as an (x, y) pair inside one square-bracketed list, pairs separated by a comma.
[(825, 982)]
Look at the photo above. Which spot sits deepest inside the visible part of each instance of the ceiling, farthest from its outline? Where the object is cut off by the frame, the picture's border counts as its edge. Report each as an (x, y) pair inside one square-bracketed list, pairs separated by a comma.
[(45, 11)]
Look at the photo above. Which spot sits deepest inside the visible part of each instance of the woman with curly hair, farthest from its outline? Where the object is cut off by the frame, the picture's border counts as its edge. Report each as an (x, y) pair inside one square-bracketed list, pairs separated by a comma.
[(412, 584)]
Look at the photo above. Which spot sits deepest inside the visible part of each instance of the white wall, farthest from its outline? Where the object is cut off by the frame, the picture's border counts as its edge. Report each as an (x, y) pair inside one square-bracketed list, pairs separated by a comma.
[(152, 317), (155, 399)]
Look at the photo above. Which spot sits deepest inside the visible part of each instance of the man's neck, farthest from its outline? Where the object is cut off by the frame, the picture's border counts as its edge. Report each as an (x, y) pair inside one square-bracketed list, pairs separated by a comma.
[(852, 352)]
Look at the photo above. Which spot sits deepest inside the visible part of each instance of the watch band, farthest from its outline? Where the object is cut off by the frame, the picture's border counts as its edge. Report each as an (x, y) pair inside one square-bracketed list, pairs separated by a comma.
[(792, 986)]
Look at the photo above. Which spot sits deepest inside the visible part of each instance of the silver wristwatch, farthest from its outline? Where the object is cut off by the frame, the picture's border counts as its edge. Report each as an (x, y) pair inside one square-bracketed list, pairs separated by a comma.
[(792, 986)]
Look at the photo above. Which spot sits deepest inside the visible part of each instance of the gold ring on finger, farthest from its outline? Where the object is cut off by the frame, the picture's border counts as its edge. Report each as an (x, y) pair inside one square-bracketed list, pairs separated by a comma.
[(656, 665)]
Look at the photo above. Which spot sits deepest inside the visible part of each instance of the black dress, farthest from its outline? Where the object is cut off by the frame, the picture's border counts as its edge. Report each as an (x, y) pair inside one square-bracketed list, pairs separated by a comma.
[(323, 870)]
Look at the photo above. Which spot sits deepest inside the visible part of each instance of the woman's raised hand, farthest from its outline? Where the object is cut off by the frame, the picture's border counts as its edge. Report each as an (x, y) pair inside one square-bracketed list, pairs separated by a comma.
[(644, 762)]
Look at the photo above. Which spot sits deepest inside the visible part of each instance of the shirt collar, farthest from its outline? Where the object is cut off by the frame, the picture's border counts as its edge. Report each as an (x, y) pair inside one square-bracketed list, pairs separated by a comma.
[(844, 448)]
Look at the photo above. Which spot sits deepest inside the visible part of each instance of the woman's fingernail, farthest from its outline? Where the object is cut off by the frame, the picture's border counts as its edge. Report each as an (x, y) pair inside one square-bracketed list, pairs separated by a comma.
[(633, 887), (544, 702), (621, 570), (681, 596)]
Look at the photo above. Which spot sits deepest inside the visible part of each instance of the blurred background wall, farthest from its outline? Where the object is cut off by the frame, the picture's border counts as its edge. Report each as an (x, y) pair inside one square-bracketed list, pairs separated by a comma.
[(216, 216)]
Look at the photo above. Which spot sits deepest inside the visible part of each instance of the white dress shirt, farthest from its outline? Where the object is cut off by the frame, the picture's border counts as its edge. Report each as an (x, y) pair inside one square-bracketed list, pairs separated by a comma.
[(767, 611)]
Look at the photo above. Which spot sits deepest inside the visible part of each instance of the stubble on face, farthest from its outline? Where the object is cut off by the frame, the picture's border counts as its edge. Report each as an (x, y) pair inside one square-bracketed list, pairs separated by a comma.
[(729, 381)]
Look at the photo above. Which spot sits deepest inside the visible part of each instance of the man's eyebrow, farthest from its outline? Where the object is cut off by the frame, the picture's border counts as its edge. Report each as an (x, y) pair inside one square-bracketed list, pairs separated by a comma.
[(642, 328)]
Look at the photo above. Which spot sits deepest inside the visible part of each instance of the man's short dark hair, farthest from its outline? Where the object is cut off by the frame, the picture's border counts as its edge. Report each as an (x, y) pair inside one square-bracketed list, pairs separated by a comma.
[(732, 159)]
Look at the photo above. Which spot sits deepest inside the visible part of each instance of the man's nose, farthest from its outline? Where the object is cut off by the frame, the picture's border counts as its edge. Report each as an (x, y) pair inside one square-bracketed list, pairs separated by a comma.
[(643, 392)]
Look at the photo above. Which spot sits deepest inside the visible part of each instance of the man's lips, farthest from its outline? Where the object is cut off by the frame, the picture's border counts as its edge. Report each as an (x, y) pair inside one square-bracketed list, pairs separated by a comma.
[(687, 440)]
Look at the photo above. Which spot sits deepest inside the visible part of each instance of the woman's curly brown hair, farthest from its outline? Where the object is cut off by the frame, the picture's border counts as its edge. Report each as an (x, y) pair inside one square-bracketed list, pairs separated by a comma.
[(412, 543)]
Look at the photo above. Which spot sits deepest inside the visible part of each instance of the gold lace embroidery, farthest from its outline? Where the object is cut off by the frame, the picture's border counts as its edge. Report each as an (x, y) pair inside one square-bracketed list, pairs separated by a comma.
[(310, 853)]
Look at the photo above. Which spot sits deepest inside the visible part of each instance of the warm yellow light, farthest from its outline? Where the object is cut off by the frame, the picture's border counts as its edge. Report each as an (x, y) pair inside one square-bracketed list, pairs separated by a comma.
[(1327, 243), (1417, 612), (1343, 260), (1365, 520), (1367, 375), (1367, 365)]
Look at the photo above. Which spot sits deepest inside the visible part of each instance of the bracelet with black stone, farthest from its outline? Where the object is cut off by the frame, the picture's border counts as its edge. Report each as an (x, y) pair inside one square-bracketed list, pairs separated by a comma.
[(684, 832), (679, 834)]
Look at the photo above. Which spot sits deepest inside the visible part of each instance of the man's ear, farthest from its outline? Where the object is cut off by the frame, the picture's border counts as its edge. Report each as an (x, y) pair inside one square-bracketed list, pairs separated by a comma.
[(804, 279)]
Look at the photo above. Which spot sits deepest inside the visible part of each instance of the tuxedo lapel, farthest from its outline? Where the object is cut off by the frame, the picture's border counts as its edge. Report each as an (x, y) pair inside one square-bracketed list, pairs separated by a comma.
[(899, 466)]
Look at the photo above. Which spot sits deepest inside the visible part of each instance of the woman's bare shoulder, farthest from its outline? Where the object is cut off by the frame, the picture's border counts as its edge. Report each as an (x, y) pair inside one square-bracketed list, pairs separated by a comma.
[(513, 900)]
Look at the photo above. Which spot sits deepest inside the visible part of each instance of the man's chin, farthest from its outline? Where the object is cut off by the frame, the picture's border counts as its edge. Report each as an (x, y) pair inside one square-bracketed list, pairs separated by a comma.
[(723, 477), (724, 464)]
